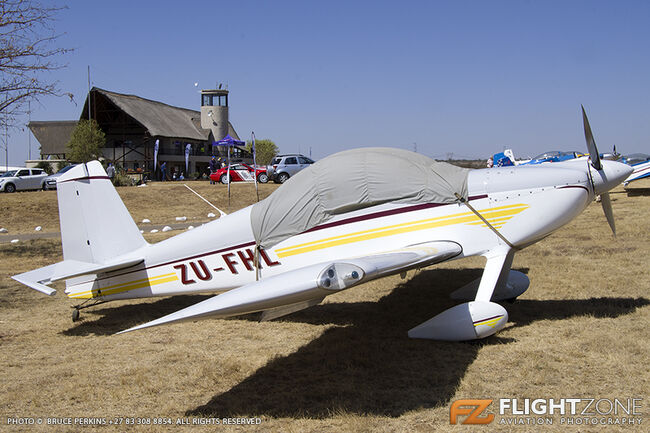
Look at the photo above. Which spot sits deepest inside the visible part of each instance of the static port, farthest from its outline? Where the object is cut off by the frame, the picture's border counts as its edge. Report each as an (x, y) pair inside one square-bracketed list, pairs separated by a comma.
[(355, 274), (330, 273), (326, 282)]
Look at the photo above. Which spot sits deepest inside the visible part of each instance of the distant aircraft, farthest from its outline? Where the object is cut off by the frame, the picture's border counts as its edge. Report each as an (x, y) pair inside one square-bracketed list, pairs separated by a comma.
[(554, 156), (339, 223), (503, 159), (507, 158), (640, 163)]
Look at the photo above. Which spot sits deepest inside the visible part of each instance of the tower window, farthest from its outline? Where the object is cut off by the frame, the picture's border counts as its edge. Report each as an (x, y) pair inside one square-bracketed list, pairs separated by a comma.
[(214, 100)]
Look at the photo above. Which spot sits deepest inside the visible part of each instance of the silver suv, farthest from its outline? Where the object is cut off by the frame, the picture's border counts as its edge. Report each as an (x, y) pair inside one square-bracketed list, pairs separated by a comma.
[(22, 179), (282, 167)]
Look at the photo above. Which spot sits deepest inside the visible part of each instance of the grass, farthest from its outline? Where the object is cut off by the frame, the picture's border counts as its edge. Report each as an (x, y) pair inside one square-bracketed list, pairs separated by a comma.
[(579, 331)]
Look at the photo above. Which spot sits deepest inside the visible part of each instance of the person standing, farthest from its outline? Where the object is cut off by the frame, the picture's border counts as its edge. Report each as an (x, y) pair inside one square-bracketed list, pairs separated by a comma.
[(213, 168), (163, 171), (110, 171)]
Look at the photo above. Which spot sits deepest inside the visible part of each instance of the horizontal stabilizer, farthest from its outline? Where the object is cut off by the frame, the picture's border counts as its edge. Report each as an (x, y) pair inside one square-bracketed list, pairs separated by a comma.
[(74, 268), (40, 278)]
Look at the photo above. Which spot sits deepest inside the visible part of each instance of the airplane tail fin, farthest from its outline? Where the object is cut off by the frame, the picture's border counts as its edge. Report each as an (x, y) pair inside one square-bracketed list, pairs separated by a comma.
[(96, 227)]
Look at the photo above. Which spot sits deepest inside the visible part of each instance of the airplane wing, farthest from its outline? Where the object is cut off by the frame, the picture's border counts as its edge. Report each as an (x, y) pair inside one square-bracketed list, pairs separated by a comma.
[(304, 287)]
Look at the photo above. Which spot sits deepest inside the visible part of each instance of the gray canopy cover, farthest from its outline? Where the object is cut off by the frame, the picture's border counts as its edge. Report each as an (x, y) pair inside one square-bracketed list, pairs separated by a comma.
[(351, 180)]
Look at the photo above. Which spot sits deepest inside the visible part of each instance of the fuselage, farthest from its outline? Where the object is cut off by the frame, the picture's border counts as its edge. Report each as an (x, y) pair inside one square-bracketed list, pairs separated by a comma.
[(524, 203)]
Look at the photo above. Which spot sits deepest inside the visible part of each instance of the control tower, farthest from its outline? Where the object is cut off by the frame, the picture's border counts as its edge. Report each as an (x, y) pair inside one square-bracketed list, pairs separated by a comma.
[(214, 112)]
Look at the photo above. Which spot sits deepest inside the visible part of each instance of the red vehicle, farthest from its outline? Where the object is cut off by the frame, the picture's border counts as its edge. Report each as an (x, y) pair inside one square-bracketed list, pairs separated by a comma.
[(240, 172)]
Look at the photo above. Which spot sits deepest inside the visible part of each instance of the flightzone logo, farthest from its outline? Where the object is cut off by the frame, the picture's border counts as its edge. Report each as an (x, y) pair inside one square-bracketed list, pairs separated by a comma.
[(549, 411), (472, 409)]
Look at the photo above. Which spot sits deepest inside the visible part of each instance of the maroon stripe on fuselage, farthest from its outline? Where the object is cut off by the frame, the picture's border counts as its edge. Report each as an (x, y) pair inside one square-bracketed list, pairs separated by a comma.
[(385, 213), (223, 250), (575, 186)]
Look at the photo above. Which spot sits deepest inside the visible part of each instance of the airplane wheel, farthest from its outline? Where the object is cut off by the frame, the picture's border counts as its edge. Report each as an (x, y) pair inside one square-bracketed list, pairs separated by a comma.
[(75, 315)]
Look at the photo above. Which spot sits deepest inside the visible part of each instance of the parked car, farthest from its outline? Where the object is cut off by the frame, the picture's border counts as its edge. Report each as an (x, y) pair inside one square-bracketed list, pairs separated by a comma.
[(282, 167), (240, 172), (23, 179), (50, 181)]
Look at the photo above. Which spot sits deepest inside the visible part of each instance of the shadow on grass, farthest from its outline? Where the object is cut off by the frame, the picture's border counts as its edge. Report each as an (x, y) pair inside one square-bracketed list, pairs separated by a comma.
[(114, 317), (634, 192), (367, 365), (524, 312)]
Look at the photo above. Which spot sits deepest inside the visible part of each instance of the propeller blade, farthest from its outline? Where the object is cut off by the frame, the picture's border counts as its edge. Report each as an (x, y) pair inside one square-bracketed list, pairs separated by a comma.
[(591, 144), (606, 202)]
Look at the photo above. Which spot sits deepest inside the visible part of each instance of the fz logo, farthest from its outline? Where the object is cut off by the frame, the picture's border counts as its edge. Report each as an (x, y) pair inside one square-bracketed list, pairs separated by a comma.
[(471, 408)]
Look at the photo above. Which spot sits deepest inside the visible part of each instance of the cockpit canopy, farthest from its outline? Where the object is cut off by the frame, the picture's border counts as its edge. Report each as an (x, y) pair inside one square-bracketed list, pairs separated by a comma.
[(352, 180)]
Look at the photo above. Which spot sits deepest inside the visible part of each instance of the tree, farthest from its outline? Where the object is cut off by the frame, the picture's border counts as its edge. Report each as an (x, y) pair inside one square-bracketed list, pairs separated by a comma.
[(45, 165), (27, 50), (265, 150), (86, 142)]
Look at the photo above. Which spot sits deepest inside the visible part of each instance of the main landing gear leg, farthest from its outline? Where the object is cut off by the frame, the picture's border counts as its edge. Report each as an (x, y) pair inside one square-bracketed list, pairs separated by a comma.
[(76, 308), (509, 284)]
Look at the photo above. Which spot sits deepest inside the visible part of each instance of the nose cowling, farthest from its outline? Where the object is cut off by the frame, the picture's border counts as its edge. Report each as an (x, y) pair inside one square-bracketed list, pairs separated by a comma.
[(610, 175)]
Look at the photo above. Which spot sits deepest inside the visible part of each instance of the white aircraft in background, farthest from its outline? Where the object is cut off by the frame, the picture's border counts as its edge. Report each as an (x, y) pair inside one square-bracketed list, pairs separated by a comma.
[(640, 163), (493, 213)]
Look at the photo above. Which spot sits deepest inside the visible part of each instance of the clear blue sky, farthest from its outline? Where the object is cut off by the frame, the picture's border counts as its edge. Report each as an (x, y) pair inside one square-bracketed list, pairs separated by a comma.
[(461, 77)]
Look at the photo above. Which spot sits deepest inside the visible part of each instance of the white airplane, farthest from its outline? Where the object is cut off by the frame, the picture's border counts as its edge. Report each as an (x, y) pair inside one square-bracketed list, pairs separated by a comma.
[(350, 218)]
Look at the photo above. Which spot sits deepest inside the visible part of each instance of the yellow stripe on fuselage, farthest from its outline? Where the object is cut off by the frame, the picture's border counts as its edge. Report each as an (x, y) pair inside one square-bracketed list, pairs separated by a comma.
[(125, 287), (464, 217)]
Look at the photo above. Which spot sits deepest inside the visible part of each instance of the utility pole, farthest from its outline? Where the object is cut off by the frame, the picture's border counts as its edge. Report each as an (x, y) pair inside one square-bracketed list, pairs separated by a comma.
[(29, 134), (88, 93)]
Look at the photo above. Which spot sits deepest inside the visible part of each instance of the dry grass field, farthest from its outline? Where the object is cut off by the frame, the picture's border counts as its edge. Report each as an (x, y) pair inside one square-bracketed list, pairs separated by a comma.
[(581, 330)]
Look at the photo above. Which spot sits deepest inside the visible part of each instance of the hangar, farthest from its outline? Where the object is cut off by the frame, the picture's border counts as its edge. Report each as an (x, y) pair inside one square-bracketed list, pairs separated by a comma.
[(133, 124)]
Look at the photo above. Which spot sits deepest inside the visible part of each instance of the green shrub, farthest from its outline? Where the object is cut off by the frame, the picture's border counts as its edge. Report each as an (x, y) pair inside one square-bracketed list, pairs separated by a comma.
[(45, 165)]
